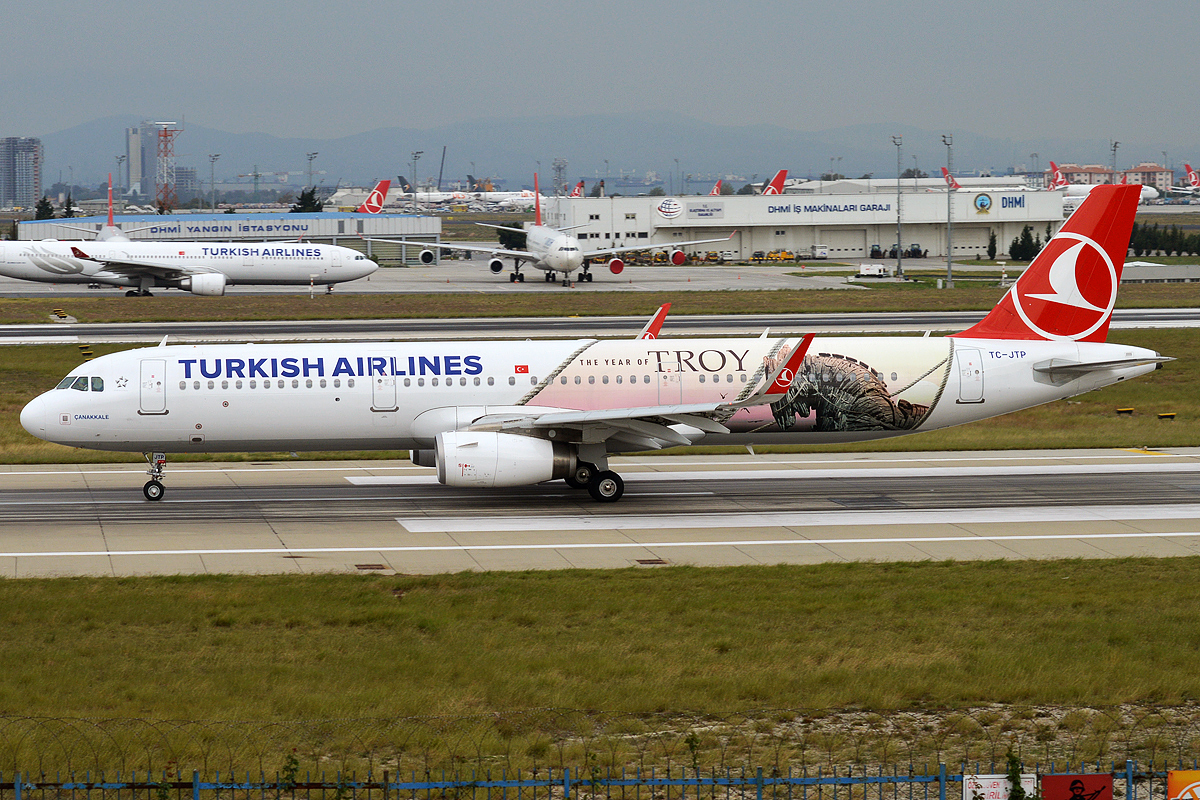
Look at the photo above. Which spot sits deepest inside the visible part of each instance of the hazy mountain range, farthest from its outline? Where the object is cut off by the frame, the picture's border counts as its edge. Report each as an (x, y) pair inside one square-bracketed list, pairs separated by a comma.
[(669, 144)]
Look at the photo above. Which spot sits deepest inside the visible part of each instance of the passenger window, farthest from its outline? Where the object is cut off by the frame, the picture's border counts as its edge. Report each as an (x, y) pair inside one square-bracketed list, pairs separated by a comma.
[(702, 378), (420, 381), (563, 380), (322, 383), (183, 384), (645, 379), (476, 380), (578, 380), (513, 381), (97, 384), (618, 379), (195, 384), (604, 380), (337, 383), (491, 381), (408, 381), (224, 384), (591, 379), (295, 383), (212, 384), (433, 381), (80, 384), (349, 383), (237, 384)]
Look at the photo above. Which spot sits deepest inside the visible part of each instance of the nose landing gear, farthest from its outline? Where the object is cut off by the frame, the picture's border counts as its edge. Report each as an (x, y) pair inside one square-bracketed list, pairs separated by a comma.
[(154, 489)]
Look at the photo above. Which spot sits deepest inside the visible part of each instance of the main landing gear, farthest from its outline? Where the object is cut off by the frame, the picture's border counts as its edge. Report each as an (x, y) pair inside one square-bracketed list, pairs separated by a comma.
[(154, 489), (516, 277), (604, 485), (139, 293)]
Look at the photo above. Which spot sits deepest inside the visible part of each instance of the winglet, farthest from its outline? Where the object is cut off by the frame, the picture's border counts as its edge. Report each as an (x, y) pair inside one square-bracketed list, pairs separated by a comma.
[(656, 322), (780, 380)]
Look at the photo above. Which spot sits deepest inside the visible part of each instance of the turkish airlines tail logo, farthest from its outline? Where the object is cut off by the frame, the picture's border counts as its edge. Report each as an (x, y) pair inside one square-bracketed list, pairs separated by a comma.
[(374, 202), (1057, 179), (716, 190), (1193, 178), (776, 184), (1069, 291), (950, 181), (578, 190)]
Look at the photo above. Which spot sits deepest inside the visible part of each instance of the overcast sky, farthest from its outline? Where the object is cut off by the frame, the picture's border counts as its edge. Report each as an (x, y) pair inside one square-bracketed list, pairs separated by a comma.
[(1025, 69)]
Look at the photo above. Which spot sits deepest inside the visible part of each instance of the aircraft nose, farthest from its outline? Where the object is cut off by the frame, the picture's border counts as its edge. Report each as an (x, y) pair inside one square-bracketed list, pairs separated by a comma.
[(33, 417)]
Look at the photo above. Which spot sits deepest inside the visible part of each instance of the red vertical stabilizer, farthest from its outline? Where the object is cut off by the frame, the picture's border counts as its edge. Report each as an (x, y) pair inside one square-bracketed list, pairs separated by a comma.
[(1070, 289)]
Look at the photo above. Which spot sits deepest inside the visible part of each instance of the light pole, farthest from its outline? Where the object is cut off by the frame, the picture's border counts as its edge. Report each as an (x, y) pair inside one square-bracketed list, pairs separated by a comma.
[(310, 157), (916, 173), (680, 177), (120, 161), (1113, 146), (416, 156), (948, 140), (212, 178), (898, 141)]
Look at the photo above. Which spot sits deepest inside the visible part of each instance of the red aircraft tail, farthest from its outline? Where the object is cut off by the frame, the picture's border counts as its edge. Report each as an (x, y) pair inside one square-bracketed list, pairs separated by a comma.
[(950, 181), (1070, 289), (716, 190), (374, 202), (1057, 179), (578, 190), (110, 212), (537, 202), (1193, 178), (775, 186)]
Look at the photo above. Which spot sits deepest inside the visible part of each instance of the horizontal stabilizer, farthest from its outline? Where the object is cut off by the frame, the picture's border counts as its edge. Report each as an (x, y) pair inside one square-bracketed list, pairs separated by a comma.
[(1062, 370)]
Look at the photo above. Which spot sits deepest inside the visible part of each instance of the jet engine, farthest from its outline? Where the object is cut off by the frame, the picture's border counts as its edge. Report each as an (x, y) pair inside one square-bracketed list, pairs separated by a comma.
[(427, 256), (465, 458), (678, 257), (496, 266), (615, 265), (211, 284)]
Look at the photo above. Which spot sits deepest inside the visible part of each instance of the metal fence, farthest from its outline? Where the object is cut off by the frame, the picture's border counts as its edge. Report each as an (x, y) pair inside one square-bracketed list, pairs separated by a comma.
[(1130, 782)]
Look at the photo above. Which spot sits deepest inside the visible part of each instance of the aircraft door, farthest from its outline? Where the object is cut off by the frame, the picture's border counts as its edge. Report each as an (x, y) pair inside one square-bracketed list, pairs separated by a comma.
[(153, 386), (970, 375), (670, 384), (383, 397)]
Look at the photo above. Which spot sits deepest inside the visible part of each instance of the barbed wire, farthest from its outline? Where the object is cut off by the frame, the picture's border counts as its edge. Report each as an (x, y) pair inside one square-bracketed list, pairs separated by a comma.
[(560, 738)]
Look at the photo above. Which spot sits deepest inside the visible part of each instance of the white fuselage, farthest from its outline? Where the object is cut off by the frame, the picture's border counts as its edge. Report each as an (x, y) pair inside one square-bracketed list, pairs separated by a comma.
[(401, 395), (122, 263), (555, 250), (1084, 189)]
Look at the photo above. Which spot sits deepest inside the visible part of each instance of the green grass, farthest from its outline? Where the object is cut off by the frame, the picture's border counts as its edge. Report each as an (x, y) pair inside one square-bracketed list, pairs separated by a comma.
[(471, 660), (917, 296)]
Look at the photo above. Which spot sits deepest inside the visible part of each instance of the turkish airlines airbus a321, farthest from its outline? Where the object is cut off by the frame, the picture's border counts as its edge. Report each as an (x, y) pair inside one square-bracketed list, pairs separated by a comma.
[(511, 413)]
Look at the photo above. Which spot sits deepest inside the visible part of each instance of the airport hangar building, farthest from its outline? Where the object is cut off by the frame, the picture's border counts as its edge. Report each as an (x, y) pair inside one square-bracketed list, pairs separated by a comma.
[(345, 229), (847, 222)]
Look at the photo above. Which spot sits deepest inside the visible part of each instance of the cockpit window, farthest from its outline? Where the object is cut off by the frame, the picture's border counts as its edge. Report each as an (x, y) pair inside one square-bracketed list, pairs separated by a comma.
[(97, 384), (80, 384), (66, 382)]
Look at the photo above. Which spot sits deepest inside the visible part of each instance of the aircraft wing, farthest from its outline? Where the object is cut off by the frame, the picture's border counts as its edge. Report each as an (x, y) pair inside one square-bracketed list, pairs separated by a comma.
[(474, 248), (658, 246), (121, 268), (649, 427)]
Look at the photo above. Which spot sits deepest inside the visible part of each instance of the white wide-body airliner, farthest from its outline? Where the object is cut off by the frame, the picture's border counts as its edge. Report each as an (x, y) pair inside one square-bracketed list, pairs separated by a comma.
[(204, 268), (510, 413), (553, 250)]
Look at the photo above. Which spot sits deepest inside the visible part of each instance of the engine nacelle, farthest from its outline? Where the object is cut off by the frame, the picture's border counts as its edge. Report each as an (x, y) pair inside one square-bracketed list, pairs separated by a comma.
[(211, 284), (496, 266), (615, 265), (427, 256), (423, 458), (678, 257), (490, 459)]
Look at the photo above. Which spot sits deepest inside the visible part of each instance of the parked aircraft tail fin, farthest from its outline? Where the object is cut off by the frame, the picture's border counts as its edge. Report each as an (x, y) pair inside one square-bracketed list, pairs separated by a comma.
[(775, 185), (374, 202), (1069, 291), (950, 181)]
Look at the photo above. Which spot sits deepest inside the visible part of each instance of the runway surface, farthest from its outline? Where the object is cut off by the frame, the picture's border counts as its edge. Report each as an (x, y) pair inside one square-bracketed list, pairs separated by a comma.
[(391, 516), (541, 327)]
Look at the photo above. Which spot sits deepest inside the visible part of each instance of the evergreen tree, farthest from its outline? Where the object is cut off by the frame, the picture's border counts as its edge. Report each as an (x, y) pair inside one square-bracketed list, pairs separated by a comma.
[(44, 209), (69, 208), (308, 202), (992, 246)]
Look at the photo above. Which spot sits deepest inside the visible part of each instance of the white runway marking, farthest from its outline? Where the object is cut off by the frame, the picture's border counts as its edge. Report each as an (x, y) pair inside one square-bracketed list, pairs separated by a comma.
[(802, 519)]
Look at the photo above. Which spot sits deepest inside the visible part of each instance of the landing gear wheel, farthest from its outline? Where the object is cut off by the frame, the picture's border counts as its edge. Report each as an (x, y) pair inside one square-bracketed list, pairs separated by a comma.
[(520, 277), (606, 487), (512, 277), (566, 282), (584, 472), (153, 490), (132, 293), (587, 276)]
